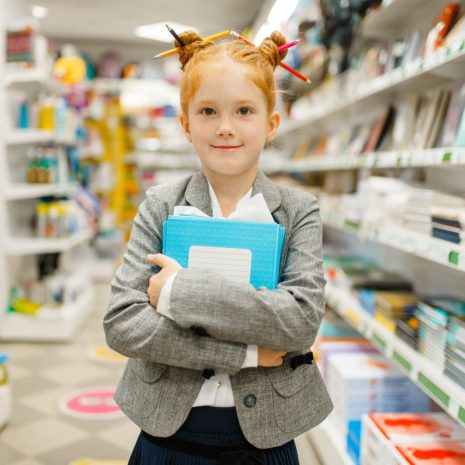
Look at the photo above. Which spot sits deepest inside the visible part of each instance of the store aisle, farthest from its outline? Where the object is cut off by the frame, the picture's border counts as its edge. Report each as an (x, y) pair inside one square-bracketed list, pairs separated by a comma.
[(40, 433)]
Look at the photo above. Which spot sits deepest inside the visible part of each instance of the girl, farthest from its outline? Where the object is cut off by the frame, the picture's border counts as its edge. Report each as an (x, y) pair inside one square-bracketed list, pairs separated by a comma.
[(218, 372)]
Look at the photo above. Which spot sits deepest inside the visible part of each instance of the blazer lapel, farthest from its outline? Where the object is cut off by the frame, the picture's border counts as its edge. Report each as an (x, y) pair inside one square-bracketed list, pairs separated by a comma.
[(197, 194), (269, 190)]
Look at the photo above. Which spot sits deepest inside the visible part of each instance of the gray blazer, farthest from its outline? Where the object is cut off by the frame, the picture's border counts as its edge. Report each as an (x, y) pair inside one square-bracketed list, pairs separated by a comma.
[(166, 359)]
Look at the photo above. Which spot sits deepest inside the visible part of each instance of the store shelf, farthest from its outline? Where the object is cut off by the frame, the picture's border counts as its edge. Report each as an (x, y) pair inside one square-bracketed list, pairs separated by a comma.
[(427, 247), (28, 136), (31, 246), (35, 136), (447, 62), (418, 368), (27, 76), (328, 443), (394, 17), (51, 324), (32, 191), (446, 156)]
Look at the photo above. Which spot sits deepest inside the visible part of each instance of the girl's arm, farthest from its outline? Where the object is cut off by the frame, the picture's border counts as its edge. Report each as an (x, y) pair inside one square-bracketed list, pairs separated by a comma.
[(134, 328), (286, 318)]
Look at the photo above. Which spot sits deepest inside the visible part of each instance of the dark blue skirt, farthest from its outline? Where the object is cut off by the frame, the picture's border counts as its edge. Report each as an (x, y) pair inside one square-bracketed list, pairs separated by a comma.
[(210, 426)]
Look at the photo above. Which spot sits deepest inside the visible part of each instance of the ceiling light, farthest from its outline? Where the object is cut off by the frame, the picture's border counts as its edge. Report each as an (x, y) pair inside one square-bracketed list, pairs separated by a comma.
[(282, 11), (39, 12), (264, 31), (158, 31)]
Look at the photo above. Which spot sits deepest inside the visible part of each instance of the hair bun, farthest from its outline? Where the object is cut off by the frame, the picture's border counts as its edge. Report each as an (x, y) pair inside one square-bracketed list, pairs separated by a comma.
[(192, 43), (269, 48)]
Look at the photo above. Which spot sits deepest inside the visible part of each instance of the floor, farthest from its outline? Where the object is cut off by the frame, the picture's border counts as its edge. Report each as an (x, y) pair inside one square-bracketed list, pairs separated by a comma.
[(46, 428)]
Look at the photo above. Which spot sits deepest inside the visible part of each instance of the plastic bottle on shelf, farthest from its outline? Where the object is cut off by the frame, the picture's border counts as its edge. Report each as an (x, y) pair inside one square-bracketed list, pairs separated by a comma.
[(46, 114), (42, 219), (5, 392)]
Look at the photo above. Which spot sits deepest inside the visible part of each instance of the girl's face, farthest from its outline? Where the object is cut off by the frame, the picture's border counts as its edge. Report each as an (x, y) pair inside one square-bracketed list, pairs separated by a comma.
[(227, 121)]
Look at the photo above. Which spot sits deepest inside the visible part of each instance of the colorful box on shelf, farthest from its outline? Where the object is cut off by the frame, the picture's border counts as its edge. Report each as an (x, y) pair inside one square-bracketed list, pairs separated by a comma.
[(245, 251)]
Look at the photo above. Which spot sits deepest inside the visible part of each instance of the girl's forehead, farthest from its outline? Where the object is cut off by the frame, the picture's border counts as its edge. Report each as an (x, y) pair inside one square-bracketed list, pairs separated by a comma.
[(227, 79)]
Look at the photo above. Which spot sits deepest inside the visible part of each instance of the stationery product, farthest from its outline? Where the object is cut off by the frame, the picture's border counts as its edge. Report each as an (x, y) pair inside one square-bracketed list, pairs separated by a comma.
[(173, 51), (244, 251), (407, 438), (173, 33), (289, 45), (283, 65)]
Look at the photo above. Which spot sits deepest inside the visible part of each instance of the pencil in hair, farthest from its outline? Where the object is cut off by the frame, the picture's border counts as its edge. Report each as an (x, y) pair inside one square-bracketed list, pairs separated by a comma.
[(173, 33), (173, 51), (289, 45), (283, 65)]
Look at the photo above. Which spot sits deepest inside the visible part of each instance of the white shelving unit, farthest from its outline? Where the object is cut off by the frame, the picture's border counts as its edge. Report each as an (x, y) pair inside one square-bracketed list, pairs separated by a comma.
[(443, 168), (31, 191), (51, 324), (444, 65), (437, 157), (328, 443), (427, 247), (417, 367), (34, 246)]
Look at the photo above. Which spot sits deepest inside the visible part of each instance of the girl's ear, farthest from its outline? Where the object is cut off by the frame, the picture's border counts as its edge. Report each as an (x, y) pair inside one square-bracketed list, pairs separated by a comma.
[(185, 126), (273, 125)]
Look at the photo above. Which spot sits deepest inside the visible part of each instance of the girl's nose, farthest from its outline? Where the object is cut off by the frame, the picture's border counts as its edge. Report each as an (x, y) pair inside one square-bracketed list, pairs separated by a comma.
[(225, 129)]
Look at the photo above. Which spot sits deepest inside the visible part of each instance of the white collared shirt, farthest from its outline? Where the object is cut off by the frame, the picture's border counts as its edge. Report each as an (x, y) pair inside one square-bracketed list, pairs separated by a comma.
[(217, 390)]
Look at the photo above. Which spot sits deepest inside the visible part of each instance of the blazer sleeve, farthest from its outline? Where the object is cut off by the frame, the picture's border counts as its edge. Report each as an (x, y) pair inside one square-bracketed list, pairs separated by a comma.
[(286, 318), (132, 325)]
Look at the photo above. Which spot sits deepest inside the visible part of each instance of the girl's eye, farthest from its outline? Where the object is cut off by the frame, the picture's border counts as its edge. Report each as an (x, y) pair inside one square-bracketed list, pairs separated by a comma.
[(245, 111), (208, 111)]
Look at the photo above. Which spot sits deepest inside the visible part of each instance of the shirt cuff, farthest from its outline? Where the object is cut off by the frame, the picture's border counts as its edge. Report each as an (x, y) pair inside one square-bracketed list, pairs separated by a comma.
[(164, 300), (251, 357)]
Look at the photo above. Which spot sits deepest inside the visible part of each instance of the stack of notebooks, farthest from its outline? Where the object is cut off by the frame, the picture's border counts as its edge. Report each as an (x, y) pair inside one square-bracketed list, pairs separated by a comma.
[(412, 438), (389, 306), (435, 214), (408, 331), (361, 383), (357, 273), (455, 351), (242, 251), (434, 316)]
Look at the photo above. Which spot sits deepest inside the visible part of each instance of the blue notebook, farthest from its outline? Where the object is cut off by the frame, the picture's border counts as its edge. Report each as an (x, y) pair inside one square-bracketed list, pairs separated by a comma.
[(244, 251)]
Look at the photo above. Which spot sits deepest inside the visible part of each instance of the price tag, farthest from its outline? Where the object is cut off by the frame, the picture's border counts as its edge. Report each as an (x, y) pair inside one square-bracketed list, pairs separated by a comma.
[(461, 261), (352, 317)]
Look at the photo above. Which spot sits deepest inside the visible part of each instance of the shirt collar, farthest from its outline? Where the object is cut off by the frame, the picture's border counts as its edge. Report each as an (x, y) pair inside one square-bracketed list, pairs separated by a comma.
[(216, 209)]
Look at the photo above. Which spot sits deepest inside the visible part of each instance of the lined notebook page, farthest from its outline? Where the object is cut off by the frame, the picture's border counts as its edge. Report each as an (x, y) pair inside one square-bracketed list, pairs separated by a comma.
[(234, 264)]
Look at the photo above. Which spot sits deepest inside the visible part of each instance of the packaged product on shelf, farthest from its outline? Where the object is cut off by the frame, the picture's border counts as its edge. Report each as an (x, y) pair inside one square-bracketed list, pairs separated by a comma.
[(386, 434), (362, 383), (5, 392)]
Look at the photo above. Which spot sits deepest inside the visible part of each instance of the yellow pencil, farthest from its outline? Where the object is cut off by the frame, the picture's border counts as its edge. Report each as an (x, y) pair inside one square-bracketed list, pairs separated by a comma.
[(219, 35)]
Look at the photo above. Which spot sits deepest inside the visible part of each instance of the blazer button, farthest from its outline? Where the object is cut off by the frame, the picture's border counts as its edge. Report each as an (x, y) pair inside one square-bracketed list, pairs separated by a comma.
[(199, 331), (250, 401)]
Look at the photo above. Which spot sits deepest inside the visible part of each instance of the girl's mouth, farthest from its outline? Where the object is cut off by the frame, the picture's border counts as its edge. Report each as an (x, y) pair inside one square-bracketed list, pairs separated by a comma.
[(226, 148)]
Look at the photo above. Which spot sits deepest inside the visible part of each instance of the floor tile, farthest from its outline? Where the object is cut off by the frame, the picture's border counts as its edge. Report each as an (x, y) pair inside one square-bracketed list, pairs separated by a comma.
[(30, 384), (75, 374), (42, 436), (28, 462), (91, 448), (7, 454), (21, 415), (123, 435)]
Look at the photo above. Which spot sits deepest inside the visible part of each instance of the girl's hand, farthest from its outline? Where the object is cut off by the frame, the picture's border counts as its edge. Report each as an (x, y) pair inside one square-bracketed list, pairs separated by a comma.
[(157, 281), (270, 357)]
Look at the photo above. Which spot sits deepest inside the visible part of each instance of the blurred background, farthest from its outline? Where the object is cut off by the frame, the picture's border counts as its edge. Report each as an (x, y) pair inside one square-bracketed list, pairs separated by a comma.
[(89, 121)]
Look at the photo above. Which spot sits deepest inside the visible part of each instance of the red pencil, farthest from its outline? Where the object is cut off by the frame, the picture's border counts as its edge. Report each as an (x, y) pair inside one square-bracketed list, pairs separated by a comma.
[(283, 65), (289, 45)]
